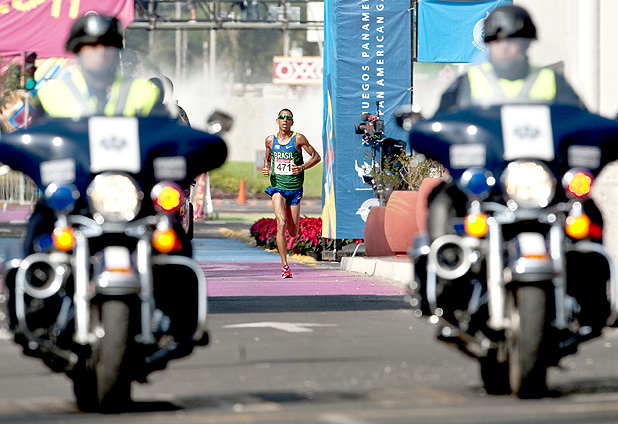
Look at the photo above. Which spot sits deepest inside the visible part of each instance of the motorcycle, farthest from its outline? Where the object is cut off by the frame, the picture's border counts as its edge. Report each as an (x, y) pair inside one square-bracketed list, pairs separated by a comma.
[(107, 291), (512, 269)]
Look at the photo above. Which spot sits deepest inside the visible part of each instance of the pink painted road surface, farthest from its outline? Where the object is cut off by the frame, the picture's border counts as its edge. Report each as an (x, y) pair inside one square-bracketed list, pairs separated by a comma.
[(236, 269), (15, 215), (264, 279)]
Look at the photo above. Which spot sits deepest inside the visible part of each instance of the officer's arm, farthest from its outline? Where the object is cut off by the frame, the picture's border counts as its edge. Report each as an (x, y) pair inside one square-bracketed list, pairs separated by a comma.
[(454, 93), (565, 94), (38, 111), (159, 109)]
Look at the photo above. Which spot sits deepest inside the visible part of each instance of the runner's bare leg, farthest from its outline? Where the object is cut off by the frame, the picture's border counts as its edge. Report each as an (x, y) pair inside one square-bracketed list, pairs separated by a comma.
[(293, 219), (280, 208)]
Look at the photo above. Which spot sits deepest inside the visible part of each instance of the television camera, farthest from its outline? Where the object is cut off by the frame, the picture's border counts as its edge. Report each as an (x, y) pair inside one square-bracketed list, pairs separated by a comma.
[(372, 127), (383, 151)]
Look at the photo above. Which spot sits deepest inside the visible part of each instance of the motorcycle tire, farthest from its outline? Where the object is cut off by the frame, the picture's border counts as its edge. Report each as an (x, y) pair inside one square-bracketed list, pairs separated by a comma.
[(495, 375), (85, 390), (527, 357), (111, 365)]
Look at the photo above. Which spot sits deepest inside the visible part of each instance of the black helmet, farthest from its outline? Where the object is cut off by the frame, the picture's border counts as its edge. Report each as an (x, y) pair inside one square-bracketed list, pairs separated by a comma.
[(509, 22), (95, 29)]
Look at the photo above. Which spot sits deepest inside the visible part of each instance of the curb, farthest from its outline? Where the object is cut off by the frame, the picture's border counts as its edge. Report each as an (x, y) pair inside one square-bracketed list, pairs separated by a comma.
[(397, 269), (237, 235)]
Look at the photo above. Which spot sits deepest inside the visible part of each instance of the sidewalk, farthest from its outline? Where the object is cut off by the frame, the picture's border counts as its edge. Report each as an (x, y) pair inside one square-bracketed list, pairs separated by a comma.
[(234, 220), (233, 217)]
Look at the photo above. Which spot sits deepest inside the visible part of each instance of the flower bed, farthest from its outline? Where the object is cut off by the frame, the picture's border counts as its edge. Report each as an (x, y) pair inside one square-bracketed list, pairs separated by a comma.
[(308, 241)]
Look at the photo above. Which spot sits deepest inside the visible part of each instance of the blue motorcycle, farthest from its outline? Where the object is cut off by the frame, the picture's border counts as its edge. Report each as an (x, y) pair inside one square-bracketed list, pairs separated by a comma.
[(512, 268), (105, 289)]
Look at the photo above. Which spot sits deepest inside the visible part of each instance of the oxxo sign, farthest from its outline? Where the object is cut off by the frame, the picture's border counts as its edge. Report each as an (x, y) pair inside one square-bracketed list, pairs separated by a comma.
[(297, 70)]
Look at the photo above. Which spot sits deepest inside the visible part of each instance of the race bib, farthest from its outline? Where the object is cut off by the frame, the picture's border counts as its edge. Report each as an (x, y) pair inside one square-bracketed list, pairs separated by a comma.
[(283, 166)]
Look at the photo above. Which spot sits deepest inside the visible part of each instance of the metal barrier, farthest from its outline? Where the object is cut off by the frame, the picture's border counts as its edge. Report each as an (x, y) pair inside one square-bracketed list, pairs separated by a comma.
[(17, 188)]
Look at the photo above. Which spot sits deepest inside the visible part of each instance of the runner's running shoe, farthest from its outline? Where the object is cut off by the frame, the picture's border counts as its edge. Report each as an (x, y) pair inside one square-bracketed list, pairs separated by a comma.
[(285, 272)]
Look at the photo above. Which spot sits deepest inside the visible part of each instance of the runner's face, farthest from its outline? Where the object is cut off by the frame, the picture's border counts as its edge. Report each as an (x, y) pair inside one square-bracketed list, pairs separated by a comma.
[(285, 124)]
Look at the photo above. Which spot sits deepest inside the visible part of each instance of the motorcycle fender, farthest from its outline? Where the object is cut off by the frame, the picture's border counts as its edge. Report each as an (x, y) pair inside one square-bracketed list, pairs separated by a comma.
[(529, 259), (117, 276)]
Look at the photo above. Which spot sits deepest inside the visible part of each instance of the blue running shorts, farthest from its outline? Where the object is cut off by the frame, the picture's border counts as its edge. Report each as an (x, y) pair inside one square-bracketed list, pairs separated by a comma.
[(293, 197)]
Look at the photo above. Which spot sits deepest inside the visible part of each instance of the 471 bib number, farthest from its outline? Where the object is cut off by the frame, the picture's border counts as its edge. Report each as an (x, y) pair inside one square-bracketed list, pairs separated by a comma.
[(283, 166)]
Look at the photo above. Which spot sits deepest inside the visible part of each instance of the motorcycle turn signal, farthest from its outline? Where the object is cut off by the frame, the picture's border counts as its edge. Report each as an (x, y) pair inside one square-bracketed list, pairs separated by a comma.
[(578, 226), (475, 224), (63, 238), (165, 241)]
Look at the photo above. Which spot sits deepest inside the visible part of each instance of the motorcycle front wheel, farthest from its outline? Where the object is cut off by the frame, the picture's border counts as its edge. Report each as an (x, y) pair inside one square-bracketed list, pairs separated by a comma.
[(527, 355), (105, 384), (113, 382)]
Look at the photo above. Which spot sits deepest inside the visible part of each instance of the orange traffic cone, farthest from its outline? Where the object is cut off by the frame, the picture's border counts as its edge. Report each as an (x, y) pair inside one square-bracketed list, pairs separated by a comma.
[(242, 199)]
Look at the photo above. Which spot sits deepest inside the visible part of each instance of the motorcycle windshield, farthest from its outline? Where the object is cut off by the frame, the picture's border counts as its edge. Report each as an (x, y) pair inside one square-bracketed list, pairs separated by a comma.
[(151, 149), (562, 136)]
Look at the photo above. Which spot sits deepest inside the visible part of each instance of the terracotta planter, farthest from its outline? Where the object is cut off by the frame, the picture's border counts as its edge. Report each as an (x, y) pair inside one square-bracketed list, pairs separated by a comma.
[(401, 221), (375, 239), (426, 188)]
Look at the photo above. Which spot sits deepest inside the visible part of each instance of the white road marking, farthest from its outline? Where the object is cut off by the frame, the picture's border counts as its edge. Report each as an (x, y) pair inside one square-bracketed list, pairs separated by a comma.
[(340, 419), (289, 327)]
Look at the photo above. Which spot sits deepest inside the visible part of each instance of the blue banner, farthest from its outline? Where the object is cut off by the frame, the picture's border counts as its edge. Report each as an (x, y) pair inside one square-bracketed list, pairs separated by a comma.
[(451, 31), (367, 59)]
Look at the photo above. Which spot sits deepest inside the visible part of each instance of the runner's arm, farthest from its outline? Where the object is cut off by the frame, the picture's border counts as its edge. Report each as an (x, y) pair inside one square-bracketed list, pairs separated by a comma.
[(268, 144), (303, 143)]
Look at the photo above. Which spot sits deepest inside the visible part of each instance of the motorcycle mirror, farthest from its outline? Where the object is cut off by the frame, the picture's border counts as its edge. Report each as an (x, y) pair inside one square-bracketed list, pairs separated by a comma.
[(219, 122), (408, 115)]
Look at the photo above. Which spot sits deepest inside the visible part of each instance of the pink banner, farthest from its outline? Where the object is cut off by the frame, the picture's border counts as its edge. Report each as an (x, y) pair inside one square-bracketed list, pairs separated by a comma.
[(43, 26)]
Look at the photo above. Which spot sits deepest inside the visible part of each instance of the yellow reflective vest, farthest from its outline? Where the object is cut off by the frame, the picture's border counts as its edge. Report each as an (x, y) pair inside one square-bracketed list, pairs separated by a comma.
[(70, 98), (485, 86)]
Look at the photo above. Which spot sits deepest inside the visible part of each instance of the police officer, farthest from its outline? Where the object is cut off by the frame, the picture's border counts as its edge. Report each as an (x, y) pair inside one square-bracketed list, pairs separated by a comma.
[(508, 77), (96, 87)]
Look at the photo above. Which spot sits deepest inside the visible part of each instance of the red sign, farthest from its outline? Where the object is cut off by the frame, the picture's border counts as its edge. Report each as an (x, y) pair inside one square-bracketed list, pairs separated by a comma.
[(297, 70), (42, 26)]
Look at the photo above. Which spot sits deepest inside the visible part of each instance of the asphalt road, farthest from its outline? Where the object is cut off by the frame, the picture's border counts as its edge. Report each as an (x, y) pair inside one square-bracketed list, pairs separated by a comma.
[(280, 353)]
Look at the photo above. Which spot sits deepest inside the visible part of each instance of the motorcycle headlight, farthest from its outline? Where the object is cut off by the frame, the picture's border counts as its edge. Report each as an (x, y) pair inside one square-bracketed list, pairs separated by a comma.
[(529, 184), (114, 198)]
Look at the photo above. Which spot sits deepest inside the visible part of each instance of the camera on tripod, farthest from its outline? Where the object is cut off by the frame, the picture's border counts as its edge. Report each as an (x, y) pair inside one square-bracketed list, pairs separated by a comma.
[(382, 174), (372, 126)]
